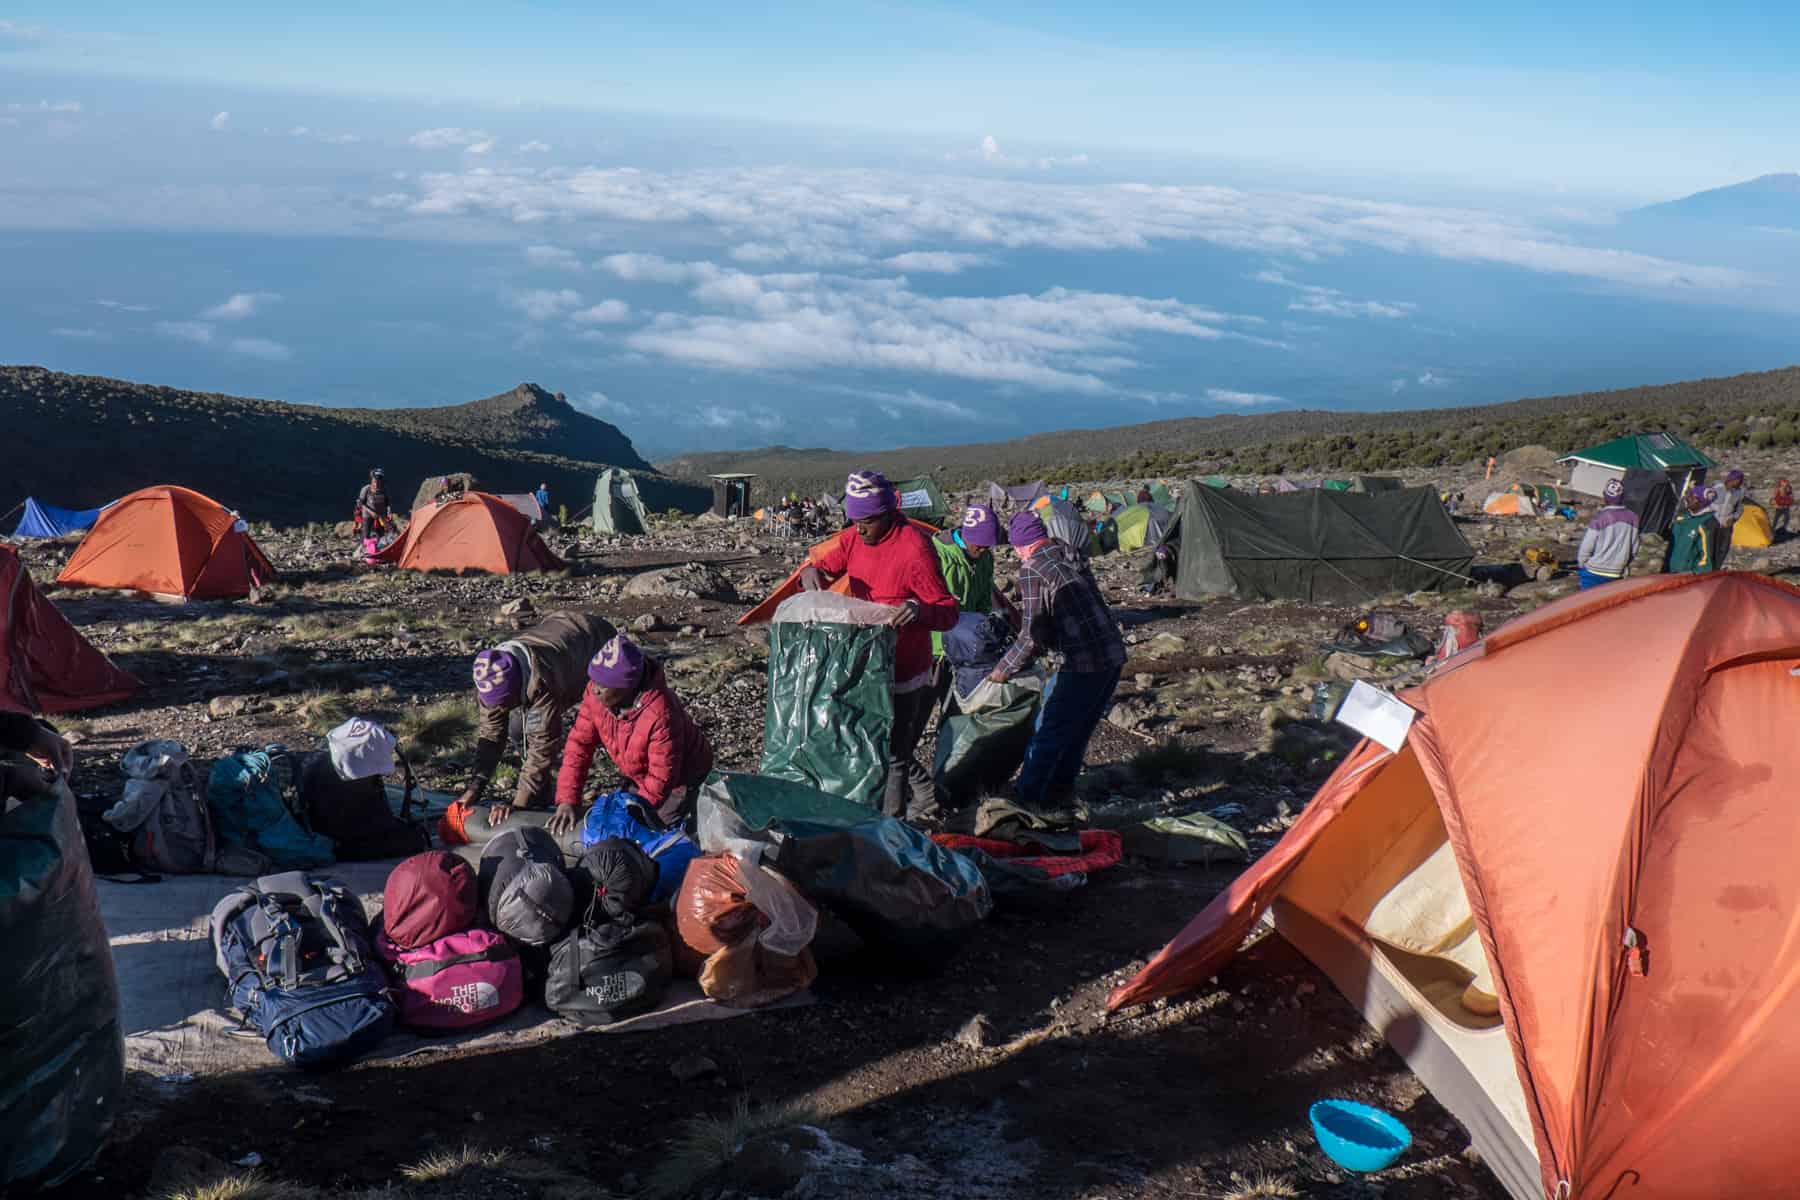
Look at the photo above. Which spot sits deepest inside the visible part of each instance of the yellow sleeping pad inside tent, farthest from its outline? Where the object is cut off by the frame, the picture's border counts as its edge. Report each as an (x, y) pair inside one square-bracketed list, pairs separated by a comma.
[(1752, 529)]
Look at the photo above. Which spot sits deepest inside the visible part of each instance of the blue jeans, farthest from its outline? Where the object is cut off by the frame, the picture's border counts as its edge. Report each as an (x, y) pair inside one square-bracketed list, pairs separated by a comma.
[(1074, 704), (1591, 580)]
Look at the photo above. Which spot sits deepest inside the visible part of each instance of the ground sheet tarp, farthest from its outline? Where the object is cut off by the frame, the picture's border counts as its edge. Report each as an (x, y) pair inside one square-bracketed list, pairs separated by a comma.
[(172, 996)]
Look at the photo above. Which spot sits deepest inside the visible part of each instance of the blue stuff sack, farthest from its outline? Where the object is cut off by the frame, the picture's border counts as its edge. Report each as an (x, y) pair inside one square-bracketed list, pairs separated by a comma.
[(612, 817)]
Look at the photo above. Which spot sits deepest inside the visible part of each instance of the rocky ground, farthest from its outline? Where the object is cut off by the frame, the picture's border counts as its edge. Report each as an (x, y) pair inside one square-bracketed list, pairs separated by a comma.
[(999, 1077)]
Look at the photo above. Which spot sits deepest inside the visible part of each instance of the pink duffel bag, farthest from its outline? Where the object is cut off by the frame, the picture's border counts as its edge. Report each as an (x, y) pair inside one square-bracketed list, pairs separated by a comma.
[(460, 981)]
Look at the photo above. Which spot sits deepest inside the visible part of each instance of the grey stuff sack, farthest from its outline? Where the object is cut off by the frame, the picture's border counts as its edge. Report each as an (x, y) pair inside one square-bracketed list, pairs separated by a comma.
[(525, 887)]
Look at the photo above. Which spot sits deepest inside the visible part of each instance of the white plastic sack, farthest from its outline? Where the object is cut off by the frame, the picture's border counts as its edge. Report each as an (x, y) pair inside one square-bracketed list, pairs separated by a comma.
[(792, 919), (988, 694), (834, 607)]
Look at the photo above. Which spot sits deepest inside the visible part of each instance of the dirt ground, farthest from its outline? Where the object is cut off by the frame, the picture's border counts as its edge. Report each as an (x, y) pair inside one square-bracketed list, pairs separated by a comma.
[(1000, 1076)]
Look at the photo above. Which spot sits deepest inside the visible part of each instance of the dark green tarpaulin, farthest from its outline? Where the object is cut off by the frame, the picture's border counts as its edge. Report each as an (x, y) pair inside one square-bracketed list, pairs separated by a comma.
[(830, 713), (62, 1059), (1320, 546), (978, 752), (1376, 483)]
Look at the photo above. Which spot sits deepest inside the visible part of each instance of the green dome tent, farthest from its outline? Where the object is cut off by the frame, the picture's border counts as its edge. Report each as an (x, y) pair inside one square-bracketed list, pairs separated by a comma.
[(1141, 525), (922, 500), (617, 507)]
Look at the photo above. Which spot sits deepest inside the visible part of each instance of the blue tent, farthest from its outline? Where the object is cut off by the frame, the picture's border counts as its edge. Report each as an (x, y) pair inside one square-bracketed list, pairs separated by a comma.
[(45, 521)]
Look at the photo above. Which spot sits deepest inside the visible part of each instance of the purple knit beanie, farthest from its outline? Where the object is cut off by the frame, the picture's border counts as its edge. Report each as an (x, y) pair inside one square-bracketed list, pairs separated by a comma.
[(868, 494), (497, 679), (979, 526), (1614, 491), (620, 664), (1024, 529)]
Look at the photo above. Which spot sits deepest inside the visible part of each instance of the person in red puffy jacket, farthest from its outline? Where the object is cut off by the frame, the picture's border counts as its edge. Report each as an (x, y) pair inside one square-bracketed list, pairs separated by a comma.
[(644, 728)]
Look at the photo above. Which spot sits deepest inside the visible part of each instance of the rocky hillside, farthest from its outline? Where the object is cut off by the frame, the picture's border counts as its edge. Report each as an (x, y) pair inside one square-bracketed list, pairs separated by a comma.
[(78, 441), (1760, 410)]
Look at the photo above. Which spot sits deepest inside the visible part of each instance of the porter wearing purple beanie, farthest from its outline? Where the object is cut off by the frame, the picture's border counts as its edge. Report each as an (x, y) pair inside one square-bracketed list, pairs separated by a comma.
[(979, 526), (1024, 529), (868, 494), (619, 664), (497, 679)]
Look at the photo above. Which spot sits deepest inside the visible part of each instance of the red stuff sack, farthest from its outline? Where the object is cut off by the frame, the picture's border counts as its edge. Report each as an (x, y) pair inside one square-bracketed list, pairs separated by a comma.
[(427, 897)]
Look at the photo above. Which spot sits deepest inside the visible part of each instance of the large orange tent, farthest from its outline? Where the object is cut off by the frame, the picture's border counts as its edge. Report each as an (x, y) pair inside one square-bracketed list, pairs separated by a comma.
[(1581, 933), (169, 541), (47, 666), (474, 532)]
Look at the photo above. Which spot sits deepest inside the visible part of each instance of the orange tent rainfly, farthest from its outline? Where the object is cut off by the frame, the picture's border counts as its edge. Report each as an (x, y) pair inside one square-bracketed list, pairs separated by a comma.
[(474, 532), (1578, 932), (47, 666), (169, 541)]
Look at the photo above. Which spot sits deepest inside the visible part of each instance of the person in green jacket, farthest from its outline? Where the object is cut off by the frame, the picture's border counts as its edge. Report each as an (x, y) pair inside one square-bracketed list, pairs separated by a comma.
[(1693, 536), (966, 560)]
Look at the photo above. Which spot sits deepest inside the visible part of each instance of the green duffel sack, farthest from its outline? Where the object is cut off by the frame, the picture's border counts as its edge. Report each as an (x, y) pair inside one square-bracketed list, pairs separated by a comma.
[(977, 752)]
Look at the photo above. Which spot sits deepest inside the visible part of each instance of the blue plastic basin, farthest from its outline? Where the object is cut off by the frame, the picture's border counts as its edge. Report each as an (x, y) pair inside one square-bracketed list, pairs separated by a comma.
[(1358, 1137)]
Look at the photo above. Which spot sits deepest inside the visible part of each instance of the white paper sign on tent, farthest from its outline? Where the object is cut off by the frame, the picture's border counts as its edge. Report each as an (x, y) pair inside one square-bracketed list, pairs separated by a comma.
[(1377, 715)]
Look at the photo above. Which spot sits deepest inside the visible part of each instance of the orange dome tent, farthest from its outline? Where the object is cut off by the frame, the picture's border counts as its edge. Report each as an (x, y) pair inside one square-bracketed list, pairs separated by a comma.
[(47, 666), (1576, 931), (169, 541), (474, 532)]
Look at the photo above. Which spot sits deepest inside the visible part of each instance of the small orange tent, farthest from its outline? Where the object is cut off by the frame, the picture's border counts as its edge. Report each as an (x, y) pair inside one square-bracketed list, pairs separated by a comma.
[(1625, 884), (47, 666), (474, 532), (169, 541)]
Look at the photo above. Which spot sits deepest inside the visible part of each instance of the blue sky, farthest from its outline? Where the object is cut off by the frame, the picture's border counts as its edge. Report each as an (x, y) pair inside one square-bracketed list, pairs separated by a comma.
[(866, 224)]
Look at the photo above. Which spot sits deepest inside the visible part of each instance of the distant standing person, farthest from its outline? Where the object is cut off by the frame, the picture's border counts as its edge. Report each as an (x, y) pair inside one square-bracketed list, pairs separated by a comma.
[(1064, 612), (373, 505), (1728, 506), (1783, 503), (1144, 496), (1693, 536), (541, 675), (542, 496), (889, 561), (1611, 541)]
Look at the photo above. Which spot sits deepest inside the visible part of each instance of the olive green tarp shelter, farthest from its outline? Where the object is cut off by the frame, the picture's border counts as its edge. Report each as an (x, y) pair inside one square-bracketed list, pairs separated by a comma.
[(617, 506), (922, 500), (1319, 546), (1590, 469), (1376, 483)]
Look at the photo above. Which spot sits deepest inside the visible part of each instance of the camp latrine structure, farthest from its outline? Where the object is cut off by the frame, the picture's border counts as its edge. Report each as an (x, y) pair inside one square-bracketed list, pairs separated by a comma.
[(173, 543), (731, 495), (40, 520), (617, 506), (46, 666), (1592, 468), (1576, 943), (922, 499), (474, 533), (1319, 546)]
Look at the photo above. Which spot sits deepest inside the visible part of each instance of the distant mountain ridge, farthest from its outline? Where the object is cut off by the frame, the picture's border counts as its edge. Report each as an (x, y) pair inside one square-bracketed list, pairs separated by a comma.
[(1767, 200), (80, 440), (1303, 438)]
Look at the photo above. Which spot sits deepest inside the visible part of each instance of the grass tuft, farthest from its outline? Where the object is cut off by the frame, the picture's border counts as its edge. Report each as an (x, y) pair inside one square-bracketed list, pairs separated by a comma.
[(1263, 1187), (439, 727), (251, 1185), (1166, 761), (705, 1144), (448, 1164)]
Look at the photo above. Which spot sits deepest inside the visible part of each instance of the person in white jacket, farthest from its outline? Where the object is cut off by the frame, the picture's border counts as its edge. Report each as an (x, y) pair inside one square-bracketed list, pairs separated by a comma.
[(1611, 541)]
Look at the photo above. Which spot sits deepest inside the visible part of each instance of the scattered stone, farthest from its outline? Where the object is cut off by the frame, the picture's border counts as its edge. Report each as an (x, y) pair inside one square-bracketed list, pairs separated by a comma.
[(521, 608), (1132, 714), (690, 581), (1144, 679), (974, 1035), (232, 706), (690, 1067), (1164, 645), (645, 623)]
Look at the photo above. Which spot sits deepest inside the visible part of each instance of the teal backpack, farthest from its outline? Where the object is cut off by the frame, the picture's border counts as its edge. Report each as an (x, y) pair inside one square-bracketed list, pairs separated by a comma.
[(245, 792)]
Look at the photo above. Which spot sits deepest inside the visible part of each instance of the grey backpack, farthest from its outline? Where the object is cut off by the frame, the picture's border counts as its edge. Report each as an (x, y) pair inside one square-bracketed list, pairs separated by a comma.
[(527, 893), (164, 810)]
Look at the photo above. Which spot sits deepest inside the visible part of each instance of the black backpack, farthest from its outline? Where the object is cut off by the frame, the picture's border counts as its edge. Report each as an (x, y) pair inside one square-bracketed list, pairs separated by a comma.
[(300, 967), (354, 813), (526, 891)]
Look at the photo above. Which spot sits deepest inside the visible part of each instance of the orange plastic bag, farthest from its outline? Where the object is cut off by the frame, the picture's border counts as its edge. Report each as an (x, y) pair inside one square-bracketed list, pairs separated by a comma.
[(713, 908)]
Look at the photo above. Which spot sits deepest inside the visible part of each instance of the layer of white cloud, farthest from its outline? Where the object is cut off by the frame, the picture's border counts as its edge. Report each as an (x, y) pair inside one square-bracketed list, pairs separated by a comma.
[(867, 213), (121, 306), (934, 262), (545, 304), (240, 306), (219, 121), (553, 258), (607, 312), (42, 106), (1240, 399), (1330, 302), (1056, 340), (92, 335), (534, 147), (198, 332), (450, 137)]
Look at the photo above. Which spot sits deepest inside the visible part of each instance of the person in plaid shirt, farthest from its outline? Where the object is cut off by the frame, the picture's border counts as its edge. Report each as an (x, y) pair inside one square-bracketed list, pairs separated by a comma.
[(1064, 612)]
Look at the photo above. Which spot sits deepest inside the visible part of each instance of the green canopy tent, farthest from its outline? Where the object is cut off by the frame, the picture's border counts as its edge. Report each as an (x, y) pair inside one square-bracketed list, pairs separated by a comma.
[(1338, 485), (922, 500), (1160, 494), (1141, 525), (1325, 547), (1217, 481), (617, 506), (1592, 468), (1375, 483)]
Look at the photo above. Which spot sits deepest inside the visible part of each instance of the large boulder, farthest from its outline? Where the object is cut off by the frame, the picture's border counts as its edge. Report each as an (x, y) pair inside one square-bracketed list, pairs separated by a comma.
[(690, 581)]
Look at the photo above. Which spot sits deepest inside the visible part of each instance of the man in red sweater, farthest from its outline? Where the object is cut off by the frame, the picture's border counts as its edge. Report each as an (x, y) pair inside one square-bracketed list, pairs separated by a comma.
[(889, 561), (630, 712)]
